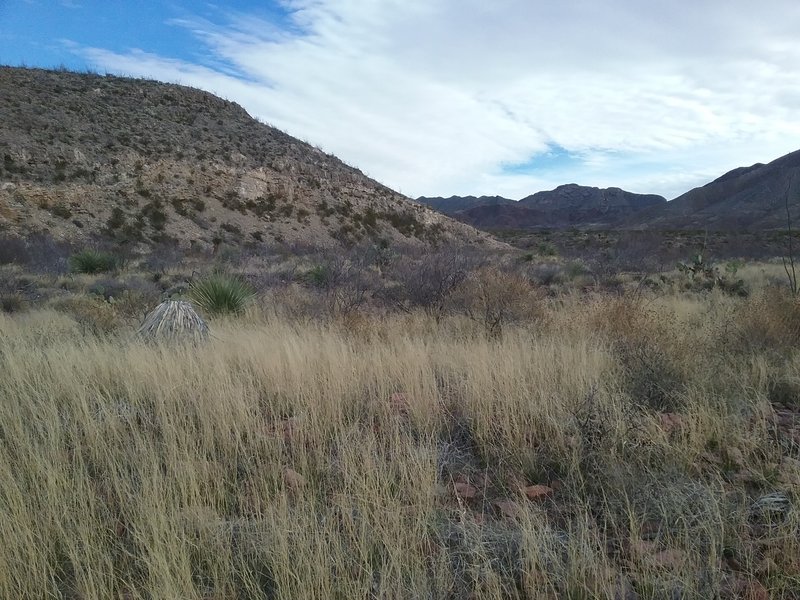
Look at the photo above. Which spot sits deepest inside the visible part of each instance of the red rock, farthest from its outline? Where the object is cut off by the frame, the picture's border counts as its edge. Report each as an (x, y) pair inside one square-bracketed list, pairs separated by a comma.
[(669, 559), (736, 456), (538, 492), (750, 590), (465, 490), (671, 422), (399, 402), (508, 508)]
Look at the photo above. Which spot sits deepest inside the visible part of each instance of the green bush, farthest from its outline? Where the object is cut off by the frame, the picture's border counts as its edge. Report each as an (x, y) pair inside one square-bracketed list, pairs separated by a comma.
[(546, 249), (92, 261), (220, 294)]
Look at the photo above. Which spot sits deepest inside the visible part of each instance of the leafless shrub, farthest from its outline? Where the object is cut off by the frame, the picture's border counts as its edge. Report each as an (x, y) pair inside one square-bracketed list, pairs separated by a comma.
[(496, 298), (39, 252), (345, 283), (428, 282)]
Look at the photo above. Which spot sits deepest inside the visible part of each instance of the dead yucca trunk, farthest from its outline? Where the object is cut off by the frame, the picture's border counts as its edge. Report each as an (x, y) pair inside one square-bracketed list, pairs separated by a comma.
[(174, 319)]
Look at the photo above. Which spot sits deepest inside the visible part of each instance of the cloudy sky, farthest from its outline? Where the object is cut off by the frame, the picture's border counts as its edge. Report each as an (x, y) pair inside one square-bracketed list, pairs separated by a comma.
[(442, 97)]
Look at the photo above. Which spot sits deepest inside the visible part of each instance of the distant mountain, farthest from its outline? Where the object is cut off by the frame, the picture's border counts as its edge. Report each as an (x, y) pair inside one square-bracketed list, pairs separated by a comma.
[(454, 204), (86, 156), (747, 198), (566, 206)]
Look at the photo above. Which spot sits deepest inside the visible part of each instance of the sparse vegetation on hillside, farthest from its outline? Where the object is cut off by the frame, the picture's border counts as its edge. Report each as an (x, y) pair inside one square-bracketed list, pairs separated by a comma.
[(88, 156)]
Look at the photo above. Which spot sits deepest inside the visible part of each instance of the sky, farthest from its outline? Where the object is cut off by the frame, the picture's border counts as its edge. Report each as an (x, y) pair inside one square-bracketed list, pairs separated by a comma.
[(465, 97)]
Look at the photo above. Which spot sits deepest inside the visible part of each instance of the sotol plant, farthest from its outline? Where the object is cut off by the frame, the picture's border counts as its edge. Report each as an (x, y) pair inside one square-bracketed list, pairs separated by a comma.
[(92, 261), (220, 294)]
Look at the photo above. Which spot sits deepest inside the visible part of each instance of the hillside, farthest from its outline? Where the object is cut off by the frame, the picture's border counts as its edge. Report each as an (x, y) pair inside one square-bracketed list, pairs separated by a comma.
[(747, 198), (566, 206), (87, 156)]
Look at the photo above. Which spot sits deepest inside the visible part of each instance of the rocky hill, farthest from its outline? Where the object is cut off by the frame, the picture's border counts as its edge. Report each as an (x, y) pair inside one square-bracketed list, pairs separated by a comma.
[(135, 161), (747, 198)]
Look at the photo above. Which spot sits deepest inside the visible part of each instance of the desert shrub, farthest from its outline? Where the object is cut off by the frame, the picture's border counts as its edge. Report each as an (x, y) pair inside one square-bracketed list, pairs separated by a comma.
[(39, 252), (496, 299), (62, 211), (546, 249), (221, 294), (344, 284), (11, 303), (651, 374), (154, 211), (92, 261), (13, 250), (318, 276), (547, 274), (428, 283), (107, 288), (117, 218), (93, 315), (767, 321)]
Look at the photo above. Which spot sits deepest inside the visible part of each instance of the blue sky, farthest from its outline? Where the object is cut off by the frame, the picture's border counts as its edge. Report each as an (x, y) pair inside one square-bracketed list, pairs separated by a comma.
[(441, 97)]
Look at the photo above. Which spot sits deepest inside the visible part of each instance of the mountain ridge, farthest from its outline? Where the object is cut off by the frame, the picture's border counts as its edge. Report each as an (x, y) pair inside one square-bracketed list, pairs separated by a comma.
[(565, 206), (744, 198)]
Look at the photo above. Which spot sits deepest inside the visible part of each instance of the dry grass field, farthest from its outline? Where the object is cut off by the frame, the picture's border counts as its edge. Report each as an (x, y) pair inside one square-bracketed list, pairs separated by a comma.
[(641, 443)]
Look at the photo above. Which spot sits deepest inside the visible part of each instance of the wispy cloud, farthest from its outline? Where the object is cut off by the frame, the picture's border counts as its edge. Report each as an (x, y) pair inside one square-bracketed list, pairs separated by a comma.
[(441, 96)]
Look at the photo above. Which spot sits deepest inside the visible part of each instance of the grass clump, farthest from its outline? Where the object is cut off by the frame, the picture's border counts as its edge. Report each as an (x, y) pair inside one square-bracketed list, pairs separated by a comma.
[(92, 261), (221, 294)]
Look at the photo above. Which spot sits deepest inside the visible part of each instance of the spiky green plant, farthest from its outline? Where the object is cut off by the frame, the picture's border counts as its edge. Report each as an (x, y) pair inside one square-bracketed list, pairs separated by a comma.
[(92, 261), (221, 294)]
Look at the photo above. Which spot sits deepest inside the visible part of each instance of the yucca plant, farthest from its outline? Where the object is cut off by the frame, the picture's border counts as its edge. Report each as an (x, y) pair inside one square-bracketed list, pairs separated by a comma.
[(221, 294), (92, 261)]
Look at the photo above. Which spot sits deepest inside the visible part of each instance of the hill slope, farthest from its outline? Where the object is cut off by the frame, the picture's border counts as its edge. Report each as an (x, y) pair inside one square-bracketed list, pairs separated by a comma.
[(140, 161), (747, 198)]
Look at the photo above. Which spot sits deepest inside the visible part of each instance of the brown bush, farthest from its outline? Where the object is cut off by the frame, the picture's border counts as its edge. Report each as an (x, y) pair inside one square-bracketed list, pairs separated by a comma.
[(638, 336), (769, 319), (496, 298)]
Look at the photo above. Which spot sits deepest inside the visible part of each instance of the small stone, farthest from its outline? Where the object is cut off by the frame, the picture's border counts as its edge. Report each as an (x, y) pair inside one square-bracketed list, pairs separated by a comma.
[(671, 422), (736, 456), (538, 492), (465, 490)]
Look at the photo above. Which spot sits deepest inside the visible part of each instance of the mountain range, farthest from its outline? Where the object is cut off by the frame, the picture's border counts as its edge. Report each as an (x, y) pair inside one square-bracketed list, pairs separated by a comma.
[(744, 199)]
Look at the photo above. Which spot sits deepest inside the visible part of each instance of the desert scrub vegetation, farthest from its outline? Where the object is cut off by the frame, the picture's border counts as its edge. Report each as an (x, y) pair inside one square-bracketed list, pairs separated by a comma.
[(221, 293), (91, 261), (604, 446)]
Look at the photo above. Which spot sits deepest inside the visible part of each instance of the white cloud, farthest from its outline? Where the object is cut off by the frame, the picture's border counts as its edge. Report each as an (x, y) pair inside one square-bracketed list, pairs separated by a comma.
[(435, 96)]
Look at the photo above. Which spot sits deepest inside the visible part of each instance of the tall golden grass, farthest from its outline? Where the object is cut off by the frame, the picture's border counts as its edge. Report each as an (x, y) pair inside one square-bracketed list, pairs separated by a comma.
[(389, 458)]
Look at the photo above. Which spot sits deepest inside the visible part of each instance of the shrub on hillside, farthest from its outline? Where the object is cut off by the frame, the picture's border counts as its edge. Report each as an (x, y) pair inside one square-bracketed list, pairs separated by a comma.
[(220, 294), (92, 261)]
